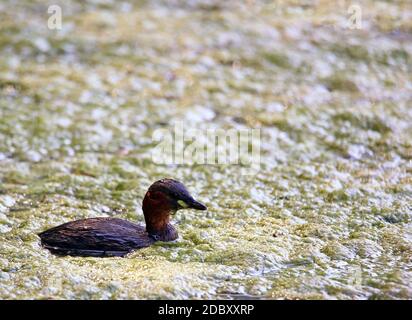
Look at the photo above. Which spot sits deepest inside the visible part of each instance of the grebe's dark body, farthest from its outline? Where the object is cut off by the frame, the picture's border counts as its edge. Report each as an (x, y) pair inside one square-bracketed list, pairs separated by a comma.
[(96, 237), (103, 237)]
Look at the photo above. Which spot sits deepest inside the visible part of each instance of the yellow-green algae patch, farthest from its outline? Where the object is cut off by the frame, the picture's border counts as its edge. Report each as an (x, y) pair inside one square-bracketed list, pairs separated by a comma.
[(328, 216)]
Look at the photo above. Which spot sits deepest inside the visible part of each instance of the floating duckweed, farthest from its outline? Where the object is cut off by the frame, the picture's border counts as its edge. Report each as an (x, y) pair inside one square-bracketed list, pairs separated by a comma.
[(340, 82), (279, 59)]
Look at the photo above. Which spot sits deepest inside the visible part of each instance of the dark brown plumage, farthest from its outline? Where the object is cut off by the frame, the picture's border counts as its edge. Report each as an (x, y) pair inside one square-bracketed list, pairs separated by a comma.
[(102, 237)]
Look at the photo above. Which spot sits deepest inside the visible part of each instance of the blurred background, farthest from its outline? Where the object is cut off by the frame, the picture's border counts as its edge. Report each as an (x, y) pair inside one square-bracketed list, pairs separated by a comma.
[(328, 83)]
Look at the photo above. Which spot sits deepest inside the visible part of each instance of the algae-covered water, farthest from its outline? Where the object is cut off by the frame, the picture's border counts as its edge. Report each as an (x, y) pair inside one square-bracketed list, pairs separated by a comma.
[(329, 214)]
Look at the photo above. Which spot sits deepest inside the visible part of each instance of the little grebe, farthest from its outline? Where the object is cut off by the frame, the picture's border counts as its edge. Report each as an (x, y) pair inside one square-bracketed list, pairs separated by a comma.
[(116, 237)]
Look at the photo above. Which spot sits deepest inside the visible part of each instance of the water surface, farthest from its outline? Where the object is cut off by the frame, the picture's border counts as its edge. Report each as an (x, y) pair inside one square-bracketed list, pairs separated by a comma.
[(328, 216)]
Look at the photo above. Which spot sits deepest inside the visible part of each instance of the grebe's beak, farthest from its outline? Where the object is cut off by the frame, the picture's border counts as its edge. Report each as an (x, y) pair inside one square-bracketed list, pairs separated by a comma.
[(191, 203), (197, 205)]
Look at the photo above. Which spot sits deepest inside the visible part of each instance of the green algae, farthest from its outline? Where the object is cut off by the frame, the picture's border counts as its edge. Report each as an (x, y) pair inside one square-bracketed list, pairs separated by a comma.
[(281, 60), (328, 216)]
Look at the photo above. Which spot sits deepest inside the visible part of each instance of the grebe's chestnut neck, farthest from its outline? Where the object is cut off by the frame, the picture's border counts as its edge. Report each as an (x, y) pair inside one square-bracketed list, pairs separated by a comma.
[(164, 198)]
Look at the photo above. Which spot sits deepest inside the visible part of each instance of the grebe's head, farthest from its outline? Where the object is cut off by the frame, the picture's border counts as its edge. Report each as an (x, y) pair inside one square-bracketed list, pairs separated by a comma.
[(171, 195), (164, 198)]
